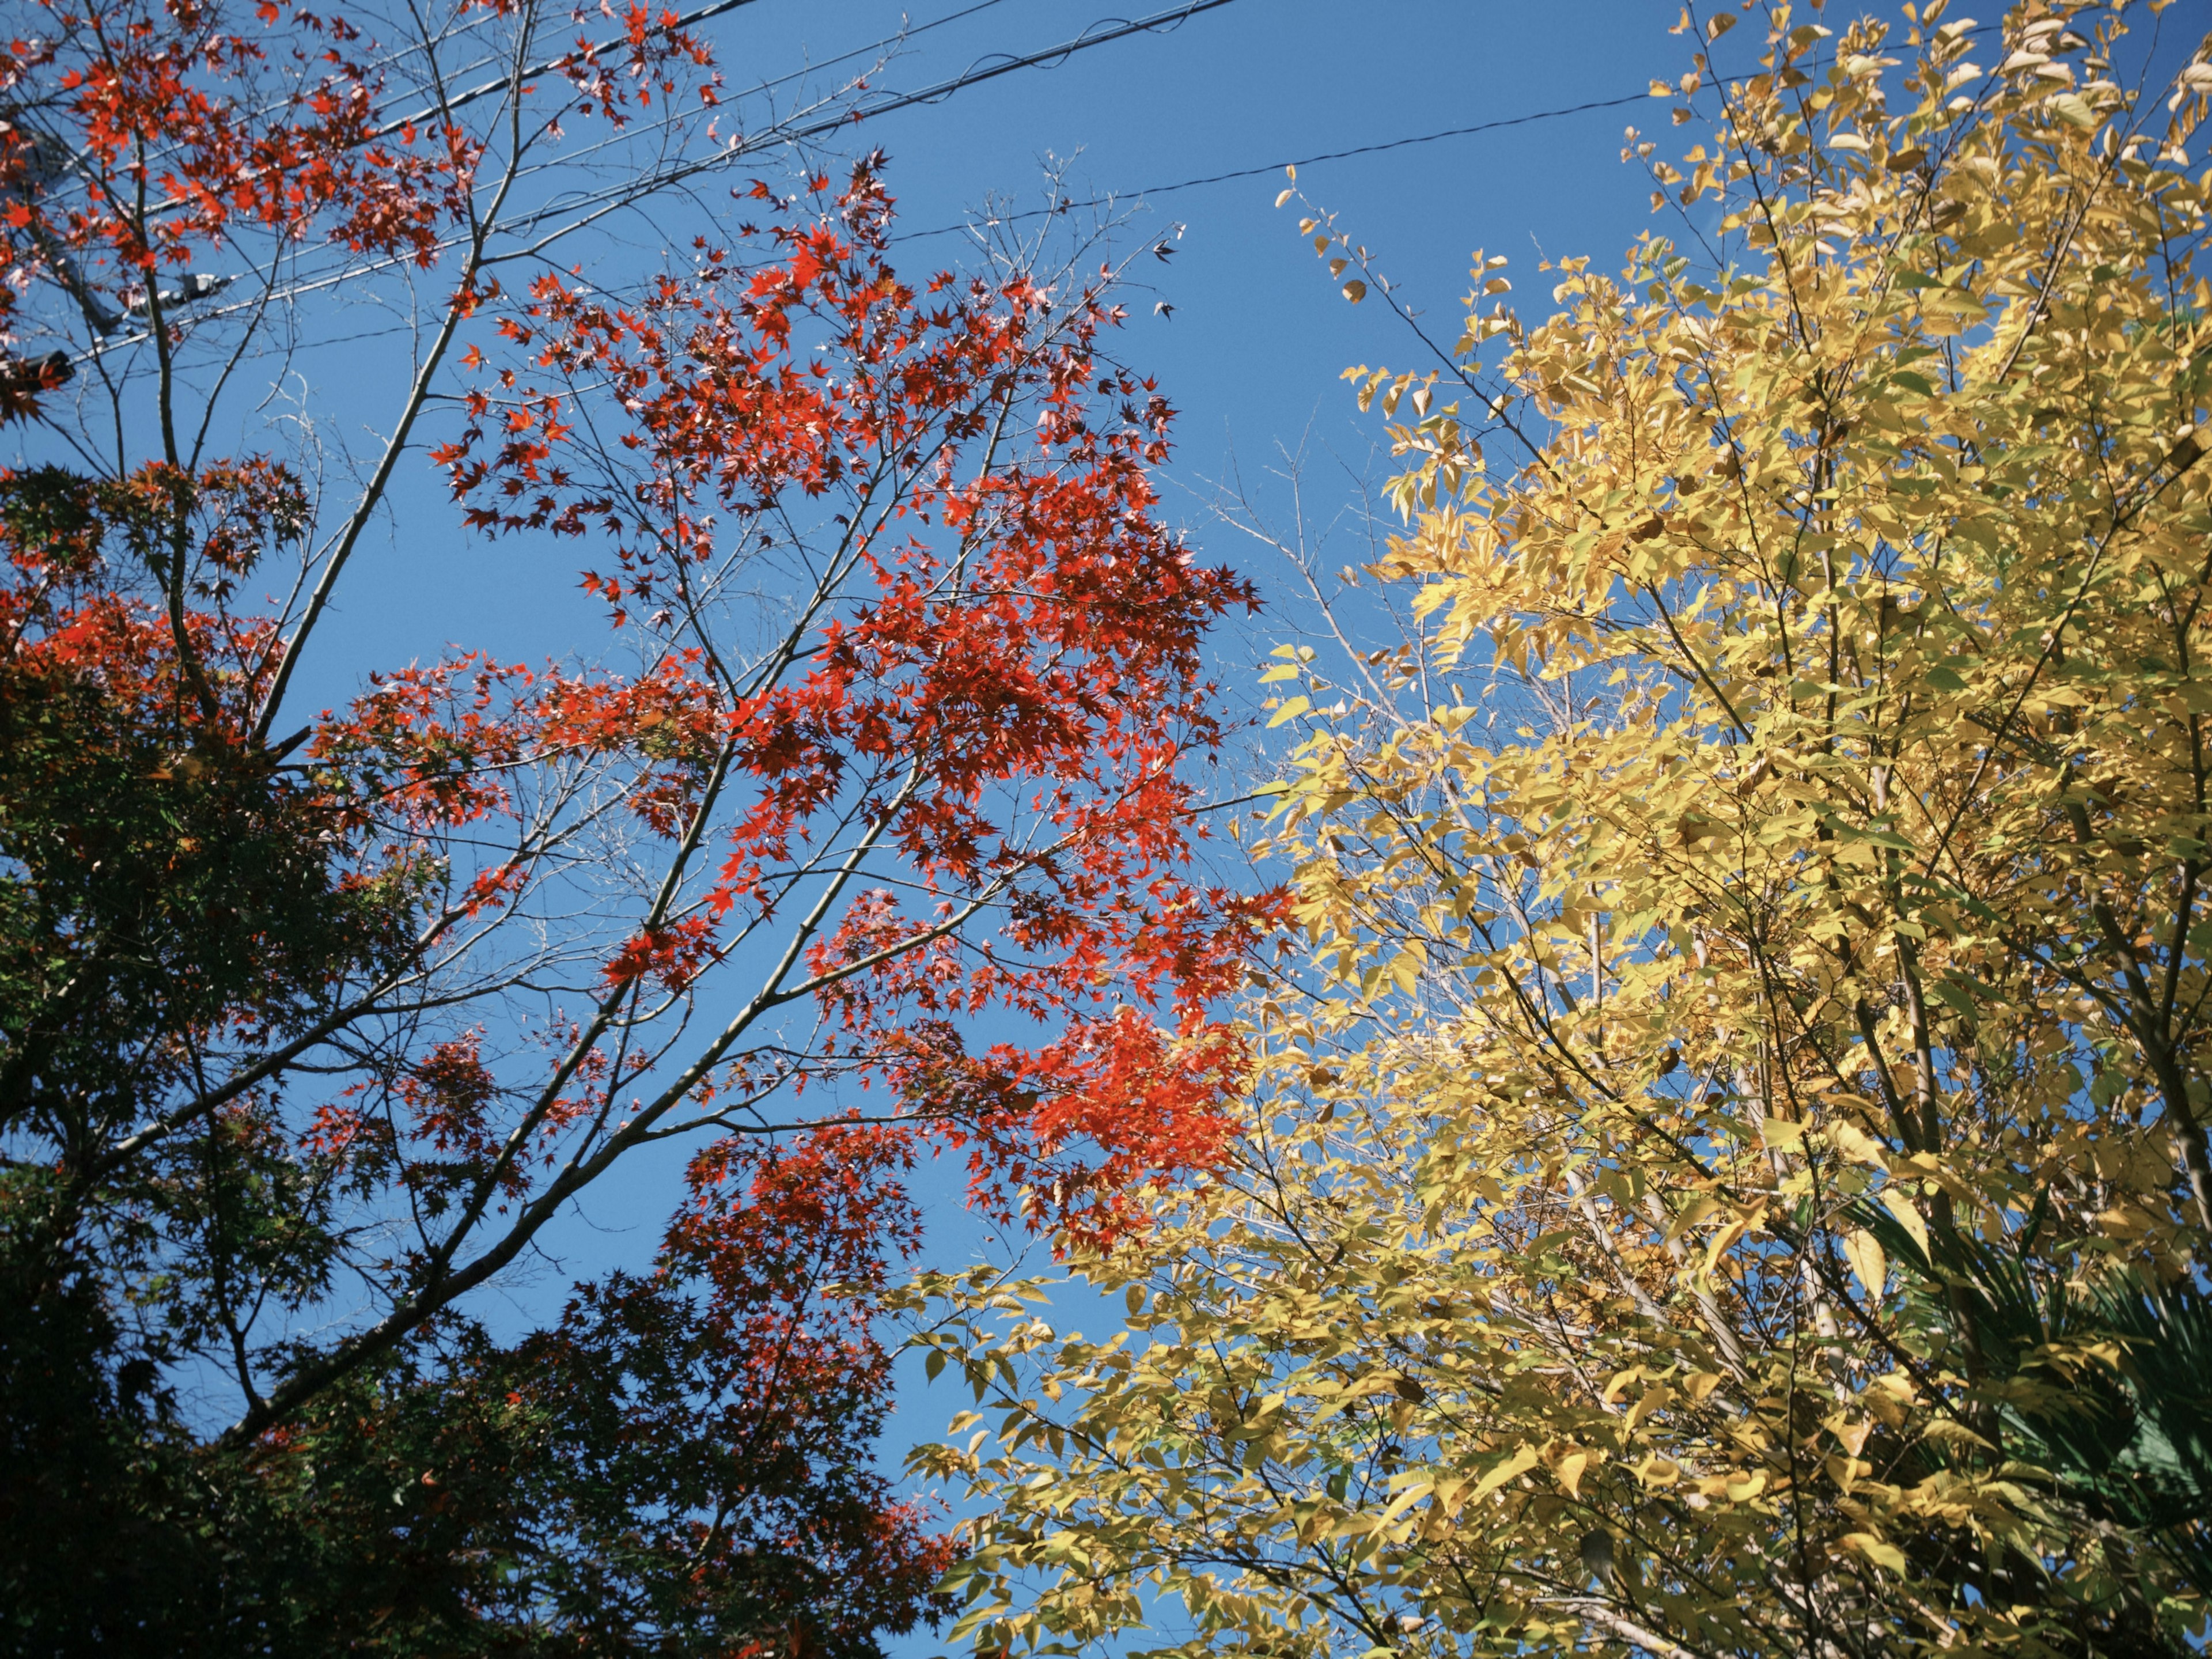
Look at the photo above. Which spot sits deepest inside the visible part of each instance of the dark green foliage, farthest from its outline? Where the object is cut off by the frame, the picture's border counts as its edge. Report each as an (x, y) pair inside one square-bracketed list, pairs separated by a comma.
[(2101, 1393), (615, 1485)]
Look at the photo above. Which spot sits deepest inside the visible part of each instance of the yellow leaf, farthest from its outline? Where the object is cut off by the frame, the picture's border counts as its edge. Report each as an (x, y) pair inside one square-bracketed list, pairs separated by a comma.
[(1887, 1397), (1404, 1500), (1863, 1251), (1855, 1143), (1895, 1200), (1723, 1242), (1781, 1134), (1570, 1472), (1874, 1550), (1520, 1463), (1355, 290), (1655, 1471), (2071, 108), (1743, 1490), (1851, 1434)]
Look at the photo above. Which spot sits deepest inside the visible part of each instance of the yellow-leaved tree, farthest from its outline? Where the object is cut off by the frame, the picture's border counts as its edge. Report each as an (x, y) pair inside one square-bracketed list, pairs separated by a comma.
[(1727, 1174)]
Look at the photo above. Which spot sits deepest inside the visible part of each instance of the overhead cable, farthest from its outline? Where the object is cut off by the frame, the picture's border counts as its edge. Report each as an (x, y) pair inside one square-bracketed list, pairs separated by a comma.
[(984, 68), (877, 49), (546, 66), (1163, 190), (1277, 166), (1100, 33), (424, 117)]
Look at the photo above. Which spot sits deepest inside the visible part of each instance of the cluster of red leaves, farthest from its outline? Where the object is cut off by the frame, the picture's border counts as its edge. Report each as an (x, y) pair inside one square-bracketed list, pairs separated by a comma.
[(187, 123), (610, 76), (431, 746), (765, 1228), (447, 1097), (1009, 684), (432, 1122), (114, 606), (1068, 1132), (92, 568)]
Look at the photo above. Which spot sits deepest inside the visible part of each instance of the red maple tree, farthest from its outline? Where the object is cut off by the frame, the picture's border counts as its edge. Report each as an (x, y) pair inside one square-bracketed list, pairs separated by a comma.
[(866, 830)]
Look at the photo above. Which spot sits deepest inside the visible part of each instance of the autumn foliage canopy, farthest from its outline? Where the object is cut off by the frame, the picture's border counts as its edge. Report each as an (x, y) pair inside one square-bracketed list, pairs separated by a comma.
[(863, 831)]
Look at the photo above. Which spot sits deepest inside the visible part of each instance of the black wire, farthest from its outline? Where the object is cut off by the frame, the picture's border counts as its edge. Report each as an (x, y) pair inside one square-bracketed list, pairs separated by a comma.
[(905, 35), (424, 117), (1277, 167), (1100, 33), (983, 69), (1187, 184), (876, 48), (714, 8)]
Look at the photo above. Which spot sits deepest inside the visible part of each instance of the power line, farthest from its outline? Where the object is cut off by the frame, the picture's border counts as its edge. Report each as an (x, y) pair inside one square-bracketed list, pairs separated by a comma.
[(934, 93), (700, 14), (1100, 33), (546, 66), (875, 48), (983, 69), (1277, 167), (905, 35)]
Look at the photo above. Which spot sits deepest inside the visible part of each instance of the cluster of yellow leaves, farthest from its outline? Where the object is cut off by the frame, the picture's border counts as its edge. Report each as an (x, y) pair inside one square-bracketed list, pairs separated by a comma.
[(1594, 1273)]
